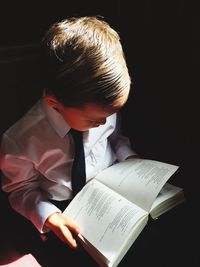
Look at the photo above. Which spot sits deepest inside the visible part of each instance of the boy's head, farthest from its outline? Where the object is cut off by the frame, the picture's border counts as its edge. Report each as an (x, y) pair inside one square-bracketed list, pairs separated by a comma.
[(85, 64)]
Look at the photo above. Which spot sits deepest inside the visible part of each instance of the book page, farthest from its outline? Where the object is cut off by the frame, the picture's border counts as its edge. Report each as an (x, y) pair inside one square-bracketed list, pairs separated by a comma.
[(104, 217), (169, 196), (139, 180)]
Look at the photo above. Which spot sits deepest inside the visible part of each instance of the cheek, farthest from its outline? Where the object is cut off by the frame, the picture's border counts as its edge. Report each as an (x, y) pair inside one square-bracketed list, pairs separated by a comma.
[(78, 124), (84, 126), (69, 120)]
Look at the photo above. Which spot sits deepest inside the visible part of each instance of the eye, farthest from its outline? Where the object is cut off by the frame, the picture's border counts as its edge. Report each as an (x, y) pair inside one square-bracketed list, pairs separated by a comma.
[(100, 121)]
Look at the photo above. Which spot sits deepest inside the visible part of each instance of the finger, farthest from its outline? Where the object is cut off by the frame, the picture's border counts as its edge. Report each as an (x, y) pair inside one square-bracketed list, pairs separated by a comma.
[(72, 226), (68, 237)]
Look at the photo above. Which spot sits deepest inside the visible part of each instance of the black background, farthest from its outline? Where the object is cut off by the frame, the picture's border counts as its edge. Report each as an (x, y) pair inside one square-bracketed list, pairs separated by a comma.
[(161, 44)]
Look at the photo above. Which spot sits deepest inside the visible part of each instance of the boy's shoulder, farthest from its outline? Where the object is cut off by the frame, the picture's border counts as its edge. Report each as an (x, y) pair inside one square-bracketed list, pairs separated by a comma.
[(28, 122)]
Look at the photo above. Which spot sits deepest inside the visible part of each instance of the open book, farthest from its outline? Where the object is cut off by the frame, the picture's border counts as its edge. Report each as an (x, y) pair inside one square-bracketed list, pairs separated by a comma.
[(113, 208)]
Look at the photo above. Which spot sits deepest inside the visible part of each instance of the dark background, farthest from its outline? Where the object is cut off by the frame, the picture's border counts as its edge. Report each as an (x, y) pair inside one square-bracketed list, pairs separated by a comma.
[(161, 45)]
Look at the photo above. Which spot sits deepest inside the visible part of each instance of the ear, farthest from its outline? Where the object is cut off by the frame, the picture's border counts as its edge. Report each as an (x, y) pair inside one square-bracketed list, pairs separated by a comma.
[(51, 101)]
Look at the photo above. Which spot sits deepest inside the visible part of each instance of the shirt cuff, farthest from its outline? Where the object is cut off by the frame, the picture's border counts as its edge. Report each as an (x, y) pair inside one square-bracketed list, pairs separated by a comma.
[(123, 152), (43, 210)]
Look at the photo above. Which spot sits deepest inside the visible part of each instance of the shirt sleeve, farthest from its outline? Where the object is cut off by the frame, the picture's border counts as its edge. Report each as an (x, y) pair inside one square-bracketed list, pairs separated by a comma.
[(120, 143), (20, 180)]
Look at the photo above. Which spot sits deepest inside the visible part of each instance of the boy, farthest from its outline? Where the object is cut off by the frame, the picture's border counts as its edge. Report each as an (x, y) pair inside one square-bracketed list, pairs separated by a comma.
[(86, 82)]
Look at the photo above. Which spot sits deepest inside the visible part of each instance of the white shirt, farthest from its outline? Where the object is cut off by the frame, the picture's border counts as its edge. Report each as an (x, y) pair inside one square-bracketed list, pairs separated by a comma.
[(37, 156)]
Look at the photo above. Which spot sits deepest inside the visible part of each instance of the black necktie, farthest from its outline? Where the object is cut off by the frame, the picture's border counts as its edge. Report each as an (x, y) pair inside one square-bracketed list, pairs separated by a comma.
[(78, 168)]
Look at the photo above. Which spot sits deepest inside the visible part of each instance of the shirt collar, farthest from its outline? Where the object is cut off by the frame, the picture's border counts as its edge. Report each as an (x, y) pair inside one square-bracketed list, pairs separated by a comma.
[(56, 120)]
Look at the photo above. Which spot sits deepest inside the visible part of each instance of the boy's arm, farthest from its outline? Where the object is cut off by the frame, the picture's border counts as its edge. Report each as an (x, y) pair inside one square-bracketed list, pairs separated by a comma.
[(120, 143), (20, 180)]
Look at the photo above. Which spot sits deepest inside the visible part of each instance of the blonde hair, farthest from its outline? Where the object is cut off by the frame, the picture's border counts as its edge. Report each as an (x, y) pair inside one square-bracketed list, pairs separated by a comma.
[(85, 62)]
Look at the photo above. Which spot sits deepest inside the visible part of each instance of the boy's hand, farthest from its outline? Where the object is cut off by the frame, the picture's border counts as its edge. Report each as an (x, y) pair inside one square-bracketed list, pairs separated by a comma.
[(63, 228)]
